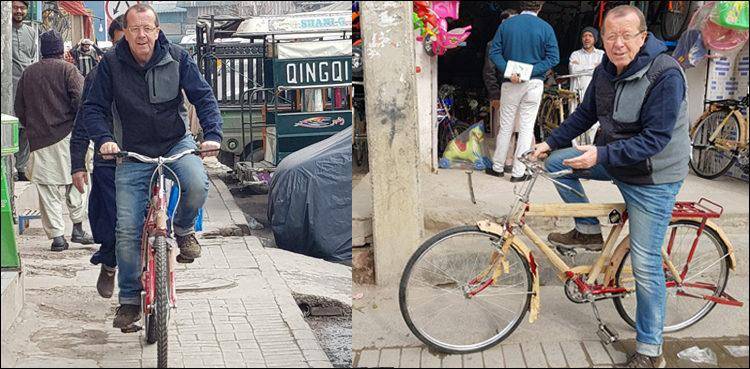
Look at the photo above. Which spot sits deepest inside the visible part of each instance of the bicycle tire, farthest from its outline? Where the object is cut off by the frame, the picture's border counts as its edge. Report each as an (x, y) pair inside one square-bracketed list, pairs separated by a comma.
[(162, 300), (697, 160), (673, 23), (722, 248), (402, 295)]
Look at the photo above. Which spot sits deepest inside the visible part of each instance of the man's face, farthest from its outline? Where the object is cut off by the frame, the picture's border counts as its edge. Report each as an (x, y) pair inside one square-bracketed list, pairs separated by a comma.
[(19, 11), (587, 40), (85, 47), (141, 35), (622, 39)]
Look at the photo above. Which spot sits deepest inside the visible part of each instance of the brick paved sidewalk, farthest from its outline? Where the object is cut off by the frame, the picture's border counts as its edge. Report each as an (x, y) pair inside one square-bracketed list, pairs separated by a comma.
[(233, 308), (573, 354)]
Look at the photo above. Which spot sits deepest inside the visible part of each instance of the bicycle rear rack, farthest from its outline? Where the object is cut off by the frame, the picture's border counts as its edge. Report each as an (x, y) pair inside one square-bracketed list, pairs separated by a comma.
[(688, 209)]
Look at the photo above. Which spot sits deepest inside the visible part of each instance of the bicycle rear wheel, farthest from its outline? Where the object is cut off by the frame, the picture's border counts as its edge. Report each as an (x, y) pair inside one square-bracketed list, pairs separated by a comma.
[(674, 18), (707, 274), (441, 296), (161, 315), (709, 161)]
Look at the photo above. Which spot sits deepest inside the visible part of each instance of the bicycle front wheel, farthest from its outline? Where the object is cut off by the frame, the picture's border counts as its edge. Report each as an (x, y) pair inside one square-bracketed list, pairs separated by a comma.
[(162, 300), (708, 160), (447, 297), (705, 274)]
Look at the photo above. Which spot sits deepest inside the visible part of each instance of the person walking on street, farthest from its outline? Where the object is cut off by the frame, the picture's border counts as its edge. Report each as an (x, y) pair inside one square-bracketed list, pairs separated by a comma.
[(527, 39), (24, 44), (48, 95), (581, 62), (102, 201), (85, 56), (639, 96), (144, 76)]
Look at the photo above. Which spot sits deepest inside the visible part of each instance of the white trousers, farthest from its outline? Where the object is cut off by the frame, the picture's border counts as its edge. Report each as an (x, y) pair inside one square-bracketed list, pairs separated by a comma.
[(51, 200), (517, 100)]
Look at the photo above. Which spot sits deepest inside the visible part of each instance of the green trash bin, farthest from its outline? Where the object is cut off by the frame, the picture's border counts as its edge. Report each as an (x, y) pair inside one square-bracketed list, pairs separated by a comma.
[(8, 251)]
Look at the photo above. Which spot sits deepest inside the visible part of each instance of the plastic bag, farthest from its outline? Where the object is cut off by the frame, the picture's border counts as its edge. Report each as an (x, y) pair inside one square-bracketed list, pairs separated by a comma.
[(690, 50), (698, 355), (731, 14), (736, 351), (719, 38), (467, 150)]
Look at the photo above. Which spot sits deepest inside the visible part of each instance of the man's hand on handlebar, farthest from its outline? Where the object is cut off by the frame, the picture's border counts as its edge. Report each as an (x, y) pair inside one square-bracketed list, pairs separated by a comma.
[(541, 150), (210, 148), (108, 150)]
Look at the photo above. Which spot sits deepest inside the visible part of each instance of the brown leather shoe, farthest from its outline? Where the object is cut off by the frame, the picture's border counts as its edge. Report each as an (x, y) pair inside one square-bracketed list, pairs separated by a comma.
[(642, 361), (189, 247), (575, 239), (106, 282)]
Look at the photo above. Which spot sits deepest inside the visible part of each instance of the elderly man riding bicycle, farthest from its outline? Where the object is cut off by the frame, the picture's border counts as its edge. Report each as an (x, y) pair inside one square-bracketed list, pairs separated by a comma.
[(143, 79)]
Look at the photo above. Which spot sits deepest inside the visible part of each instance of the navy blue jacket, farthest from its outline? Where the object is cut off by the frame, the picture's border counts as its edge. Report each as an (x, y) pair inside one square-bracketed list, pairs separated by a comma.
[(79, 139), (636, 126), (528, 39), (149, 99)]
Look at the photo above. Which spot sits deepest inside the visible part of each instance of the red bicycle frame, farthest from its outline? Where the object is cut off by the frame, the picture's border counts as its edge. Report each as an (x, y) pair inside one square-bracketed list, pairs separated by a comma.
[(154, 227)]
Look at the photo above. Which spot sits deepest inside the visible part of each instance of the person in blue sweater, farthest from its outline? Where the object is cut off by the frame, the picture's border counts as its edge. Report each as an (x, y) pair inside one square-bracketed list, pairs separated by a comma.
[(639, 96), (102, 209), (144, 76), (527, 39)]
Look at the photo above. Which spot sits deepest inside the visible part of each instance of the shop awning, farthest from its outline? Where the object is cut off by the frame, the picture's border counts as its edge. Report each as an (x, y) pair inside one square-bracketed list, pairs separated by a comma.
[(77, 8)]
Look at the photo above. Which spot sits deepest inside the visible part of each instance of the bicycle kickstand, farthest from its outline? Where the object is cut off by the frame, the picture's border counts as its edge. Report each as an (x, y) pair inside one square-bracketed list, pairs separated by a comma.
[(606, 334)]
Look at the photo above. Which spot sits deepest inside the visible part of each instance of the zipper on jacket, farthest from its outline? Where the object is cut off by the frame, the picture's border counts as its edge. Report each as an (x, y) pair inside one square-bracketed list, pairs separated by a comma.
[(618, 92)]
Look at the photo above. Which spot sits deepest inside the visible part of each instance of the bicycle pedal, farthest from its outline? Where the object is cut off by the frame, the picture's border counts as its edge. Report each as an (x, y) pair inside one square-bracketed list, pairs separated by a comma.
[(184, 260), (131, 328), (607, 335)]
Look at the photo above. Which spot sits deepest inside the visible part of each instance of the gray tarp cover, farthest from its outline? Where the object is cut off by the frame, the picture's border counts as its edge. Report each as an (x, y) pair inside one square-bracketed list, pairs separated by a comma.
[(310, 199)]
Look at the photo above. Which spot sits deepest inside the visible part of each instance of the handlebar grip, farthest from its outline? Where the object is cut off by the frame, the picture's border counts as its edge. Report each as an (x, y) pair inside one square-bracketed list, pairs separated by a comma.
[(122, 154)]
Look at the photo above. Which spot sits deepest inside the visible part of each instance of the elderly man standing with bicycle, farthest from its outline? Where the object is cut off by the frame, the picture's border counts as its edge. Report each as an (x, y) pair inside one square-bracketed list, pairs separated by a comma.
[(639, 96), (143, 77)]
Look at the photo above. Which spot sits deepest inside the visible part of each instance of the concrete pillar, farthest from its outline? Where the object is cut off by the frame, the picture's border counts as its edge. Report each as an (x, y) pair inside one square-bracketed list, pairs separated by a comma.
[(392, 135), (426, 68), (6, 51)]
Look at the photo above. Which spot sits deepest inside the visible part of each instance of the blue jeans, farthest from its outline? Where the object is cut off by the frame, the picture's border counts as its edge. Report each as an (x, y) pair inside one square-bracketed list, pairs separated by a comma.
[(650, 211), (132, 182)]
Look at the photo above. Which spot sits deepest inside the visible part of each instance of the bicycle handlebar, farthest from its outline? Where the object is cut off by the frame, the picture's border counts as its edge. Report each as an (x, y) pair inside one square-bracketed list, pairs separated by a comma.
[(161, 159), (537, 168)]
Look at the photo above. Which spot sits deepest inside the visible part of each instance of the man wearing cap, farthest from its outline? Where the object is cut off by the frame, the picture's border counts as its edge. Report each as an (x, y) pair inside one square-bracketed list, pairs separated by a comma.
[(584, 61), (46, 101), (85, 56), (24, 43)]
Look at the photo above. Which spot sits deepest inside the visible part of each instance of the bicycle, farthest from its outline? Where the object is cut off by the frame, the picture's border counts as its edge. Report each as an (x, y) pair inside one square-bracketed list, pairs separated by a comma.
[(720, 138), (554, 109), (157, 256), (448, 127), (468, 288)]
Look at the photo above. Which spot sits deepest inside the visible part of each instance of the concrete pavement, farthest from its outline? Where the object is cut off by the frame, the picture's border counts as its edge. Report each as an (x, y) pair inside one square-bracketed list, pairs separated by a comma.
[(233, 308)]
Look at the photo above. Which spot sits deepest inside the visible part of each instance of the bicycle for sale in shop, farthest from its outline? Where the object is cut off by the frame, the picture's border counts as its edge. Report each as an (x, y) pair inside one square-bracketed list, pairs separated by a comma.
[(157, 256), (468, 288), (720, 138)]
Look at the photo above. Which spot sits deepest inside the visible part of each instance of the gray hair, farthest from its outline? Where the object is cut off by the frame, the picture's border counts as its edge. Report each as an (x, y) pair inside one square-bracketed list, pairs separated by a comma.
[(623, 10), (139, 8)]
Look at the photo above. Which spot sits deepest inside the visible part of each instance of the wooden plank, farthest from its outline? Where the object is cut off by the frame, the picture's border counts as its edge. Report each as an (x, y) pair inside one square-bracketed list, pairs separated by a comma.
[(573, 210)]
